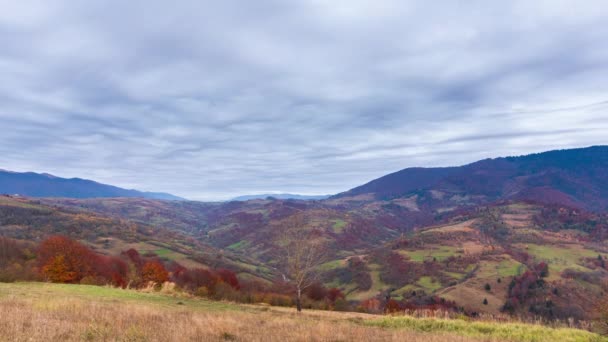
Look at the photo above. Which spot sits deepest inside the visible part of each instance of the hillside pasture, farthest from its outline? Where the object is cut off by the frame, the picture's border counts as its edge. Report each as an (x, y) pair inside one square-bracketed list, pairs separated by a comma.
[(432, 252), (472, 292), (560, 257)]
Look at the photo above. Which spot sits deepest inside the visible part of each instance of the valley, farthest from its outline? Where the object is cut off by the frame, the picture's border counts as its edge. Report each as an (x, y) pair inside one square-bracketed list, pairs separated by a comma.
[(498, 239)]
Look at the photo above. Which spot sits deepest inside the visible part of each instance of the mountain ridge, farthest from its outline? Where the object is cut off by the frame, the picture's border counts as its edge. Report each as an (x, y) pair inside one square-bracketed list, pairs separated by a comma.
[(282, 196), (34, 184), (570, 176)]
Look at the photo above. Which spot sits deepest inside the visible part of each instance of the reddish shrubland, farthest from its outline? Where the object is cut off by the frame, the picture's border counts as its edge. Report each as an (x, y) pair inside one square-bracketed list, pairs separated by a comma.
[(63, 260), (17, 261)]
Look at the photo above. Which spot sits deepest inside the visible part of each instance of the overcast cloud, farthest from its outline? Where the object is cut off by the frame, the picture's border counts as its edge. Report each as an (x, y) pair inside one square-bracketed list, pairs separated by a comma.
[(214, 99)]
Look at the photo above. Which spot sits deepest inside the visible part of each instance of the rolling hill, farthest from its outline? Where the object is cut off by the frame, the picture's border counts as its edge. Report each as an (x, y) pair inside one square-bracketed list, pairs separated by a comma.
[(31, 220), (575, 177), (469, 235), (452, 259), (45, 185)]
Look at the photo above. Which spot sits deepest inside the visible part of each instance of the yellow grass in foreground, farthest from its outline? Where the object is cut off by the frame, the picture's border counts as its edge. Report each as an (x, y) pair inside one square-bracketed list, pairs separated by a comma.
[(45, 312)]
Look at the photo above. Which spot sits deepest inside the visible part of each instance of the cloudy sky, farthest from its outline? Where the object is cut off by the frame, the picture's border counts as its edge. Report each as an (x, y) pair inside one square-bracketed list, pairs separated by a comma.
[(213, 99)]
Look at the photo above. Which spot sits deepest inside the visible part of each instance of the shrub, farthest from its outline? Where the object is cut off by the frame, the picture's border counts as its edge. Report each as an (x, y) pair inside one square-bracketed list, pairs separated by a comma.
[(370, 306), (334, 294), (316, 292), (154, 271), (392, 306), (229, 278), (202, 291), (341, 305), (224, 291)]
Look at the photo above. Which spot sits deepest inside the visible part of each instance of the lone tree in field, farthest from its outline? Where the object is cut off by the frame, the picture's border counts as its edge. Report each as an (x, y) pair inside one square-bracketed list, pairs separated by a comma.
[(304, 252)]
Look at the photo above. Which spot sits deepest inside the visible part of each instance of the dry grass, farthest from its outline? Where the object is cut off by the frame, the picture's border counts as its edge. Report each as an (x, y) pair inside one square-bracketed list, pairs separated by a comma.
[(46, 312), (75, 320)]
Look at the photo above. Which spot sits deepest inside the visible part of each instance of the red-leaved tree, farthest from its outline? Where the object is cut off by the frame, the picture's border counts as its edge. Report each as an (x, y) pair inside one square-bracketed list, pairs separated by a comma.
[(154, 271), (63, 260)]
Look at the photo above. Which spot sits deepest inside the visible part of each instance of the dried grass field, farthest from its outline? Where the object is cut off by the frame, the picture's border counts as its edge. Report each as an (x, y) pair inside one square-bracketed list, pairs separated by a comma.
[(52, 312)]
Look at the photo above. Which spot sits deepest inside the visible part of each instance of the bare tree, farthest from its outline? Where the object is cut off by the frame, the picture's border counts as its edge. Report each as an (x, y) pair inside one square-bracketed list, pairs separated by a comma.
[(304, 251)]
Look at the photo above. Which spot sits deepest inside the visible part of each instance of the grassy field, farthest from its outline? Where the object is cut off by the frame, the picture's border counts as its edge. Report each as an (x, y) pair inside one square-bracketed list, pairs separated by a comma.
[(501, 331), (439, 253), (560, 258), (377, 285), (472, 292), (50, 312), (338, 226)]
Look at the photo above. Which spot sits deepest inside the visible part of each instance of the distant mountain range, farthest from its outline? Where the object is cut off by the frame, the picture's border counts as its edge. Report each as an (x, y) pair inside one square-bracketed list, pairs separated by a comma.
[(281, 196), (45, 185), (575, 177)]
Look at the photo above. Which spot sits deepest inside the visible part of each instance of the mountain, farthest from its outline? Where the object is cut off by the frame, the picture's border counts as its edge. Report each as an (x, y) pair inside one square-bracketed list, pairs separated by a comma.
[(45, 185), (281, 196), (575, 177)]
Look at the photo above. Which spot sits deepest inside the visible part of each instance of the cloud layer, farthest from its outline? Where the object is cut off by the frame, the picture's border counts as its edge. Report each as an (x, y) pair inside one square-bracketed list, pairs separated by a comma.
[(209, 100)]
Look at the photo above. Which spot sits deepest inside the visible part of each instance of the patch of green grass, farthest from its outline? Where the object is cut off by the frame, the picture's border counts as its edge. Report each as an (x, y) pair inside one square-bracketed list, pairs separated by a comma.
[(502, 331), (406, 289), (560, 258), (338, 226), (470, 268), (428, 283), (105, 294), (237, 246), (247, 266), (457, 276), (417, 256), (164, 253), (509, 268), (377, 284), (425, 283), (439, 253), (332, 265)]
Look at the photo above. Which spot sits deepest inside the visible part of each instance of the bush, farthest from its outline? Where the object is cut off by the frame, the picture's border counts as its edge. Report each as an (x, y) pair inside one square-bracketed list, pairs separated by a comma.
[(341, 305), (392, 306), (202, 292), (92, 280), (224, 291), (154, 271)]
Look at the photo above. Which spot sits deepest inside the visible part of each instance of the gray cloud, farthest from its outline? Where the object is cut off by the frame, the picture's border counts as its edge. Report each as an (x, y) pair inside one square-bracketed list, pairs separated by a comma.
[(210, 100)]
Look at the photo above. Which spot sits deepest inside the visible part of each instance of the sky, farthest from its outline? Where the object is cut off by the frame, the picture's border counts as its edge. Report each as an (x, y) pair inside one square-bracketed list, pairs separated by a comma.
[(209, 100)]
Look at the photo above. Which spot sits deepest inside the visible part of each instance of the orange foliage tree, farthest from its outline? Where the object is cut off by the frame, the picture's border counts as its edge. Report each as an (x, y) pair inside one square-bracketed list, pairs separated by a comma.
[(63, 260), (154, 271)]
